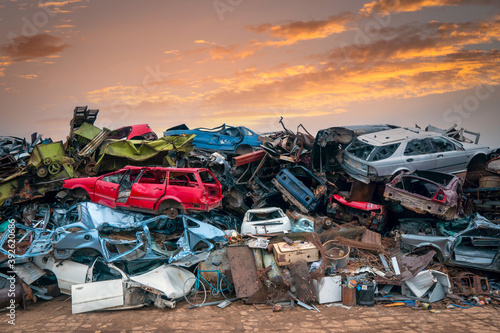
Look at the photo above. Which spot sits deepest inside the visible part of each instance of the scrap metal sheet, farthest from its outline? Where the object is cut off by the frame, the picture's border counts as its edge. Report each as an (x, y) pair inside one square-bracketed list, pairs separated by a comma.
[(243, 270)]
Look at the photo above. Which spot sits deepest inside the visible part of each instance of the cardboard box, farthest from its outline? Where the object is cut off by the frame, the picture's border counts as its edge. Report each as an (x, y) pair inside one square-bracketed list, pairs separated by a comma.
[(286, 254)]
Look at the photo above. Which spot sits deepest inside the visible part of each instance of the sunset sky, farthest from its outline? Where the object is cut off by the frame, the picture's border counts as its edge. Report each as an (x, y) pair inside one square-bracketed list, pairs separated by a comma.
[(321, 63)]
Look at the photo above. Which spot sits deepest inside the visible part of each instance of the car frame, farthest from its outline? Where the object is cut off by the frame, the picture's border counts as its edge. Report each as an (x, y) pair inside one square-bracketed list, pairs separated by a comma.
[(382, 155), (232, 139), (152, 189), (273, 220), (97, 224), (430, 192), (472, 242)]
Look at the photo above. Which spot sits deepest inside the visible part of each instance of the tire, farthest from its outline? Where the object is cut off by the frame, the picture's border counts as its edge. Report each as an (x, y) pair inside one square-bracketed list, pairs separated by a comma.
[(195, 292), (225, 287)]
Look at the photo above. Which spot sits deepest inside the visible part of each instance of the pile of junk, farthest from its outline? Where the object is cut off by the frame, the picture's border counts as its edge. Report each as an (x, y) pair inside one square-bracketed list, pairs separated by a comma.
[(354, 216)]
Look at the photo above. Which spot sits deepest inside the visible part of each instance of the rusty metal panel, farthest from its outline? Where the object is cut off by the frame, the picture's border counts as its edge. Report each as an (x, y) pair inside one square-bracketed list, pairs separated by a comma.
[(371, 237), (249, 158), (243, 270), (361, 191)]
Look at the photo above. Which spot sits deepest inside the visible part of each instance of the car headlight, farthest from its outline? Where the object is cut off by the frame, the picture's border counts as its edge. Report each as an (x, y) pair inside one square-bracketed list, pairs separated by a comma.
[(372, 171)]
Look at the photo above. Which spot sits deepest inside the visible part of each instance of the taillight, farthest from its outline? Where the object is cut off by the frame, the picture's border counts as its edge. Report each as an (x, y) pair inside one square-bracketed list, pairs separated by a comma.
[(439, 197)]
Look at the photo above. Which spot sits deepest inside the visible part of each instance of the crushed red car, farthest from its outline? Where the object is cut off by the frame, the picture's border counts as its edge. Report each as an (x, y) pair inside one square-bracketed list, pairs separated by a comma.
[(134, 132), (152, 189), (368, 214)]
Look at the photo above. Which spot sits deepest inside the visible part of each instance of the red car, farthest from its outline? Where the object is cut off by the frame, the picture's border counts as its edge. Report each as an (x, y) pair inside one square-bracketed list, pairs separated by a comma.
[(152, 189), (134, 132)]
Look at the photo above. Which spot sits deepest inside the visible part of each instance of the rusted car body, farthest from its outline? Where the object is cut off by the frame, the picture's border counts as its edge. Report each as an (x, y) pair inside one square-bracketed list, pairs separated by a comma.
[(301, 187), (152, 189), (328, 150), (430, 192)]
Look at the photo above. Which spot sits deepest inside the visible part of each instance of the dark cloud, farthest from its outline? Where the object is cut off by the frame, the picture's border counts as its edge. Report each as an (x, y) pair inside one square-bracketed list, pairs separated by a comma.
[(24, 48)]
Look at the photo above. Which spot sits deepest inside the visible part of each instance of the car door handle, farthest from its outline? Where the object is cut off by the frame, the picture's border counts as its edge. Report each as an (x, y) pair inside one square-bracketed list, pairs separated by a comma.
[(409, 160), (440, 155)]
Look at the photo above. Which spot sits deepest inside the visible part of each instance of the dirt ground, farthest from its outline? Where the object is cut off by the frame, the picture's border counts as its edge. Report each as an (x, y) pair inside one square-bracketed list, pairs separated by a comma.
[(55, 316)]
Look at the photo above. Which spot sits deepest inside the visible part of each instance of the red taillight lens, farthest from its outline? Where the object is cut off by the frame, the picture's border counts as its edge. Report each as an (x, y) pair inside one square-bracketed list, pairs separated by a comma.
[(439, 197)]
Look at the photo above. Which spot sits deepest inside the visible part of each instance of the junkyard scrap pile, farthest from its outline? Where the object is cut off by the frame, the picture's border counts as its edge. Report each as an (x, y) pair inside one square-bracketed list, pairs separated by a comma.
[(356, 215)]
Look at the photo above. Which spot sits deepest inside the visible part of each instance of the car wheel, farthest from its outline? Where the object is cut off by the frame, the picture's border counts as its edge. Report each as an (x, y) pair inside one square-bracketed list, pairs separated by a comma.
[(171, 212)]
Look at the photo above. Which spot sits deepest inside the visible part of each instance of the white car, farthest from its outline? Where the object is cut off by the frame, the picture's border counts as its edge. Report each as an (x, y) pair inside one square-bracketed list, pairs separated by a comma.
[(265, 221), (100, 285), (381, 155)]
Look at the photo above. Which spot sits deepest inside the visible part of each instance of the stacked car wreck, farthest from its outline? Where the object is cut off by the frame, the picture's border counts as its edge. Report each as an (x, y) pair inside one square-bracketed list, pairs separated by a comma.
[(355, 215)]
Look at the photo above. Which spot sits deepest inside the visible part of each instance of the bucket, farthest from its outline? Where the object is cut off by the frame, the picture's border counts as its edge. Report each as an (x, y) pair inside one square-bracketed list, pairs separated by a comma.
[(336, 253), (489, 181), (365, 294)]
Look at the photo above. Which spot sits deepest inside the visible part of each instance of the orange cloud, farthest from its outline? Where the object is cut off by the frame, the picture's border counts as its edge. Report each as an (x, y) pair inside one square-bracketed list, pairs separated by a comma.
[(64, 26), (28, 76), (305, 30), (57, 3), (392, 6), (289, 34)]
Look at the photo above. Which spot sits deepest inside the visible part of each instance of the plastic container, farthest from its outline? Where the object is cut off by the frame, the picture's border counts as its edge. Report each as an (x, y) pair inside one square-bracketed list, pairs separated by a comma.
[(365, 294)]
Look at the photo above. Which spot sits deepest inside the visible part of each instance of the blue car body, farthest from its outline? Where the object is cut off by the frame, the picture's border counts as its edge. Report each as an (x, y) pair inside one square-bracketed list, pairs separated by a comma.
[(222, 138), (298, 184)]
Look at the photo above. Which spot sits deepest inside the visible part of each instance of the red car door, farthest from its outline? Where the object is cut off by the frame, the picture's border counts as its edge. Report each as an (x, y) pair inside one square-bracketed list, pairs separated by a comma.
[(184, 187), (106, 188), (148, 189)]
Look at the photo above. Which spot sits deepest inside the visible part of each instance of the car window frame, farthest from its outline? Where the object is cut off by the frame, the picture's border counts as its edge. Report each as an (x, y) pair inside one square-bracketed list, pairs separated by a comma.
[(421, 139), (444, 139)]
